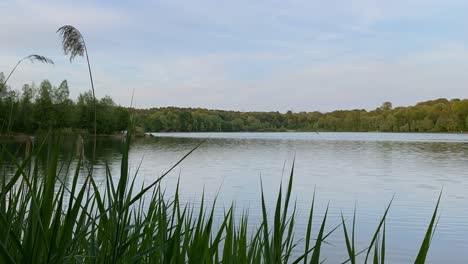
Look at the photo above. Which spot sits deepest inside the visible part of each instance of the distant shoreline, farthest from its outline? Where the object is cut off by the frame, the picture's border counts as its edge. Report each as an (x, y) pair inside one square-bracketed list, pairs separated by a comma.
[(299, 131), (433, 116)]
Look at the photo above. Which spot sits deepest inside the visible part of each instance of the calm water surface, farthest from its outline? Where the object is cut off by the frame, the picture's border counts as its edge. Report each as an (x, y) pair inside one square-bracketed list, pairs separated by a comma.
[(347, 169)]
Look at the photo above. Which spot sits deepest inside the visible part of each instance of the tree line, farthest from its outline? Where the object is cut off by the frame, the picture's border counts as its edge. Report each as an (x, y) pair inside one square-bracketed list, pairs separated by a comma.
[(440, 115), (46, 106)]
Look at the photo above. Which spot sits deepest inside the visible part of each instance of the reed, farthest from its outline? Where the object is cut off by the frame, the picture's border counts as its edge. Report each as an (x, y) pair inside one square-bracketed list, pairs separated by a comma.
[(32, 58), (73, 44)]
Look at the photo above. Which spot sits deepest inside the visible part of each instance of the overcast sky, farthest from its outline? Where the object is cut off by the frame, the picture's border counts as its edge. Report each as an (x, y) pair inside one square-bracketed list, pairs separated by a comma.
[(248, 55)]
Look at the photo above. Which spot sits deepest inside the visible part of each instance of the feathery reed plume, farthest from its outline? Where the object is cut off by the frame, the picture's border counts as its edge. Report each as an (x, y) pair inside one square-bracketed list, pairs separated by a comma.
[(32, 58), (73, 44)]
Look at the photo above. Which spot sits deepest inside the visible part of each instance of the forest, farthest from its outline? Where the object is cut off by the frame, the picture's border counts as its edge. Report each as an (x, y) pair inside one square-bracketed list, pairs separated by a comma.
[(45, 106), (440, 115)]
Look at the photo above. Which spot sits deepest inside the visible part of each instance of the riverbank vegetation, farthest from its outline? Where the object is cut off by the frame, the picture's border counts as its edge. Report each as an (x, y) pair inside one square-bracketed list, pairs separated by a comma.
[(439, 115), (46, 106)]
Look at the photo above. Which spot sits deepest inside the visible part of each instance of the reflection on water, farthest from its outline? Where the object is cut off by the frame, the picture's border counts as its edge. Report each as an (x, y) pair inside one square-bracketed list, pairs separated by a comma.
[(346, 169)]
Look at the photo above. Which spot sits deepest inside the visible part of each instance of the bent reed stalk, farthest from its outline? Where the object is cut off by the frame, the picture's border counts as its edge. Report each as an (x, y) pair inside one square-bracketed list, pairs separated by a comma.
[(32, 58), (46, 219)]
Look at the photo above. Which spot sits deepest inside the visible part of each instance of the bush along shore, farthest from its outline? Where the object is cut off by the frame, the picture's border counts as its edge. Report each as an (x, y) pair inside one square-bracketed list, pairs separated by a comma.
[(46, 219)]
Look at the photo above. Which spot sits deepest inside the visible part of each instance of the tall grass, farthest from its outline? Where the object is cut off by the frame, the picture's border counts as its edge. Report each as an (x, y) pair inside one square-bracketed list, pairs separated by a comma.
[(44, 219)]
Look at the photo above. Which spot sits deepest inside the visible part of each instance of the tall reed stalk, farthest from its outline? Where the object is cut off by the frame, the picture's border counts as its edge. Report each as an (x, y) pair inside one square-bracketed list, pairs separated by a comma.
[(73, 44)]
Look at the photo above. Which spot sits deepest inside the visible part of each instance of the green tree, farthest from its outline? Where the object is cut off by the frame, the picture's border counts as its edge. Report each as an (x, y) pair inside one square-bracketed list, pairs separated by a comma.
[(386, 106), (43, 110)]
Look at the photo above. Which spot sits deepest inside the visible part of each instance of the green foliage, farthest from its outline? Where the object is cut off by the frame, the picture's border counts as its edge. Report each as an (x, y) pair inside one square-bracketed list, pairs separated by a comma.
[(421, 258), (439, 115), (49, 107)]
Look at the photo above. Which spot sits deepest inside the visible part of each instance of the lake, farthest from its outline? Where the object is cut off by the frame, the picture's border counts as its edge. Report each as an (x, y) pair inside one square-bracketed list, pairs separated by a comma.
[(347, 170)]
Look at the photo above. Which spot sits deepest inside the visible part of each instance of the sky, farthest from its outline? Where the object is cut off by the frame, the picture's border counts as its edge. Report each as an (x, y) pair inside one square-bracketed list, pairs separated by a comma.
[(299, 55)]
